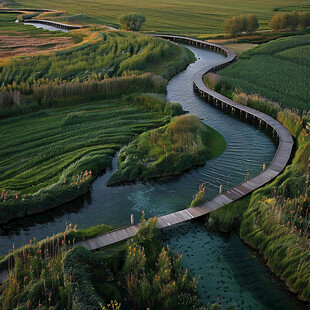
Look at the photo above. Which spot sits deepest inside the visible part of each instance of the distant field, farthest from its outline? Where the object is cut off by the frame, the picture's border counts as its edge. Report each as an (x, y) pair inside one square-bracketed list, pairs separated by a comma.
[(278, 70), (18, 39), (177, 16)]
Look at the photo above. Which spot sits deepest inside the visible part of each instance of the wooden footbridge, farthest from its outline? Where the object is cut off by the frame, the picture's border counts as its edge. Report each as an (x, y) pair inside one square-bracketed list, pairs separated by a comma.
[(41, 21), (280, 160)]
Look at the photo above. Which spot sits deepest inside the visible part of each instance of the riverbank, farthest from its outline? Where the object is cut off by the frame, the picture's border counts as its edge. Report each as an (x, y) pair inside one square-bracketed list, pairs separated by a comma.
[(168, 151), (276, 221)]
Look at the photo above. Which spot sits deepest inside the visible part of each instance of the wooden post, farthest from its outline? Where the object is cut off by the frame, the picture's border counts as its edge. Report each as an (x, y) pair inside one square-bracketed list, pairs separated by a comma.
[(264, 166), (132, 219), (221, 189)]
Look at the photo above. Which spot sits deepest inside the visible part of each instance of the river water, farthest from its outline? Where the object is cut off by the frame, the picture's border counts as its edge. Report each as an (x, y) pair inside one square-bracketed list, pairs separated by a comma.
[(230, 272)]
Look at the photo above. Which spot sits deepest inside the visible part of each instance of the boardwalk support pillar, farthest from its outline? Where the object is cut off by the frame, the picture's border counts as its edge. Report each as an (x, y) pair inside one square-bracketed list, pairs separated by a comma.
[(132, 219), (221, 189)]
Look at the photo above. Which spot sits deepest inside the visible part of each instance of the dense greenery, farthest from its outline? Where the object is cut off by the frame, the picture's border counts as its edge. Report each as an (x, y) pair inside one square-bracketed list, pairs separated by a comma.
[(52, 156), (237, 25), (51, 275), (176, 16), (278, 70), (108, 54), (277, 220), (131, 21), (168, 151)]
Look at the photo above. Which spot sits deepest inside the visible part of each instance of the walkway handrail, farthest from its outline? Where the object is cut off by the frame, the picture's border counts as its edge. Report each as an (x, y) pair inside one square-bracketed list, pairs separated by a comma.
[(279, 162)]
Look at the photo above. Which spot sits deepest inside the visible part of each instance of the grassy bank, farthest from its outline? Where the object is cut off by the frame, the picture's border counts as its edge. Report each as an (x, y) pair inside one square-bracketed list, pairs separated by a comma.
[(168, 151), (176, 16), (52, 156), (276, 221), (142, 274), (228, 218)]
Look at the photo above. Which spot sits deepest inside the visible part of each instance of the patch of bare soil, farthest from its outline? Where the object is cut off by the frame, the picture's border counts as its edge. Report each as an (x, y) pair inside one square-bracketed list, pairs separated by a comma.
[(26, 45)]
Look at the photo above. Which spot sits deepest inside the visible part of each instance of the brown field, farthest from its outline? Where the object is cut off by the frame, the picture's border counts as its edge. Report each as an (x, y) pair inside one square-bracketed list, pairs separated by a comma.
[(27, 45)]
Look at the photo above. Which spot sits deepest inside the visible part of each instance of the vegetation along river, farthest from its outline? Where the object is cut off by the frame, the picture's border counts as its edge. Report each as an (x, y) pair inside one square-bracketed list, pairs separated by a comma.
[(230, 272)]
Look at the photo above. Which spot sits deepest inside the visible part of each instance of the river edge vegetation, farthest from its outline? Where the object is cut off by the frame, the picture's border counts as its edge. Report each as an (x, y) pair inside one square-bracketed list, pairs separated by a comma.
[(49, 103), (56, 274), (275, 219), (168, 151)]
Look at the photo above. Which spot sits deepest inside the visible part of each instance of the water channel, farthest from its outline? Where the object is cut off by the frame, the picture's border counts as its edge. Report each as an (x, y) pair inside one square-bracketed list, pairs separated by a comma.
[(230, 272)]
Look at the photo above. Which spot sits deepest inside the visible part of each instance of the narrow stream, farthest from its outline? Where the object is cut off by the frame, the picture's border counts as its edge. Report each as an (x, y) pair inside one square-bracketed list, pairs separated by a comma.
[(230, 272)]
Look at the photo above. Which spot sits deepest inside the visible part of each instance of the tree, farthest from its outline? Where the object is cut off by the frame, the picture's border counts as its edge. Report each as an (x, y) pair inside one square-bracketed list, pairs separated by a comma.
[(233, 25), (294, 20), (304, 20), (252, 23), (285, 21), (275, 23), (131, 21), (236, 25)]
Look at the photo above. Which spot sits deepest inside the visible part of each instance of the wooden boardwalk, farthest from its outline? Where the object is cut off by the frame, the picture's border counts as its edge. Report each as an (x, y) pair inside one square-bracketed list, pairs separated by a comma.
[(53, 24), (41, 21), (280, 160)]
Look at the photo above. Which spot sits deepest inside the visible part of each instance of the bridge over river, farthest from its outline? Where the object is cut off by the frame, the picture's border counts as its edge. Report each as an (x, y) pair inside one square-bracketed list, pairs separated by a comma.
[(279, 162)]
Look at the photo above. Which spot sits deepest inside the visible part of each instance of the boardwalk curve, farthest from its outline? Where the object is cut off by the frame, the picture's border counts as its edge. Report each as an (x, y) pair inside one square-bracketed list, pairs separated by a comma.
[(41, 21), (279, 162)]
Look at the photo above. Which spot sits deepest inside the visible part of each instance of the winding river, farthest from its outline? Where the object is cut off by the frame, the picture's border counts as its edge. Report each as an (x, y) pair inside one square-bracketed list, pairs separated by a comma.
[(230, 272)]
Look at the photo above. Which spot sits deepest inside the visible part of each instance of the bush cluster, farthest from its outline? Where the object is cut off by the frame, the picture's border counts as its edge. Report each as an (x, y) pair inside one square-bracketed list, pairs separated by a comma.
[(237, 25)]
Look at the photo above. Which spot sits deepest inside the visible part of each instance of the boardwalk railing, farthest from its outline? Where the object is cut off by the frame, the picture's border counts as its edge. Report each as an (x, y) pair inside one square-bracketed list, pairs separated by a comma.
[(42, 21), (53, 24), (280, 160)]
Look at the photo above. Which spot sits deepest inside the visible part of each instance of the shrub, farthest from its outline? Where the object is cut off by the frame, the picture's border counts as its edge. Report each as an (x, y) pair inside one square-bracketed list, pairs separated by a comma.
[(131, 21)]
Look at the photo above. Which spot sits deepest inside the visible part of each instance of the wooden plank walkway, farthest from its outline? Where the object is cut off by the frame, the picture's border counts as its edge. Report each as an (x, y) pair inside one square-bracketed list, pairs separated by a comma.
[(277, 165), (53, 24)]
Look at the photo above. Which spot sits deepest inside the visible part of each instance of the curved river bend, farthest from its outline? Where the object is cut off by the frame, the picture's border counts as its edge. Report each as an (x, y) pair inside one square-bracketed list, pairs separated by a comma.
[(230, 272)]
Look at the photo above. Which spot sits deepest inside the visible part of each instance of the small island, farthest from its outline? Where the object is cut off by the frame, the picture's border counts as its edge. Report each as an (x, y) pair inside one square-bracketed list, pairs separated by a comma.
[(168, 151)]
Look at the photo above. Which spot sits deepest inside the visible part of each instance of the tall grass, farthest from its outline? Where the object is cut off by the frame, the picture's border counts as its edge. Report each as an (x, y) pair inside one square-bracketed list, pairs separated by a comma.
[(143, 272), (111, 54)]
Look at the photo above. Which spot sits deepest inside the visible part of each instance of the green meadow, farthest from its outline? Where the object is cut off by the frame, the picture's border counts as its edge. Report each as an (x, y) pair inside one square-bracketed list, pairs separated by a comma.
[(175, 16), (278, 71)]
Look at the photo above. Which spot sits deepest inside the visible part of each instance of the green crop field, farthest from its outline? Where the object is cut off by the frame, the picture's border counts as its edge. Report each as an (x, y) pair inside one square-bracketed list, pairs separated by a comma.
[(52, 156), (278, 70), (9, 26), (177, 16)]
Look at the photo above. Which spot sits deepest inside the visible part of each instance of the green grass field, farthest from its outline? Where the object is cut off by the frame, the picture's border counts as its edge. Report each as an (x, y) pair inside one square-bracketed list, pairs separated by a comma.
[(9, 26), (176, 16), (51, 156), (278, 71)]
